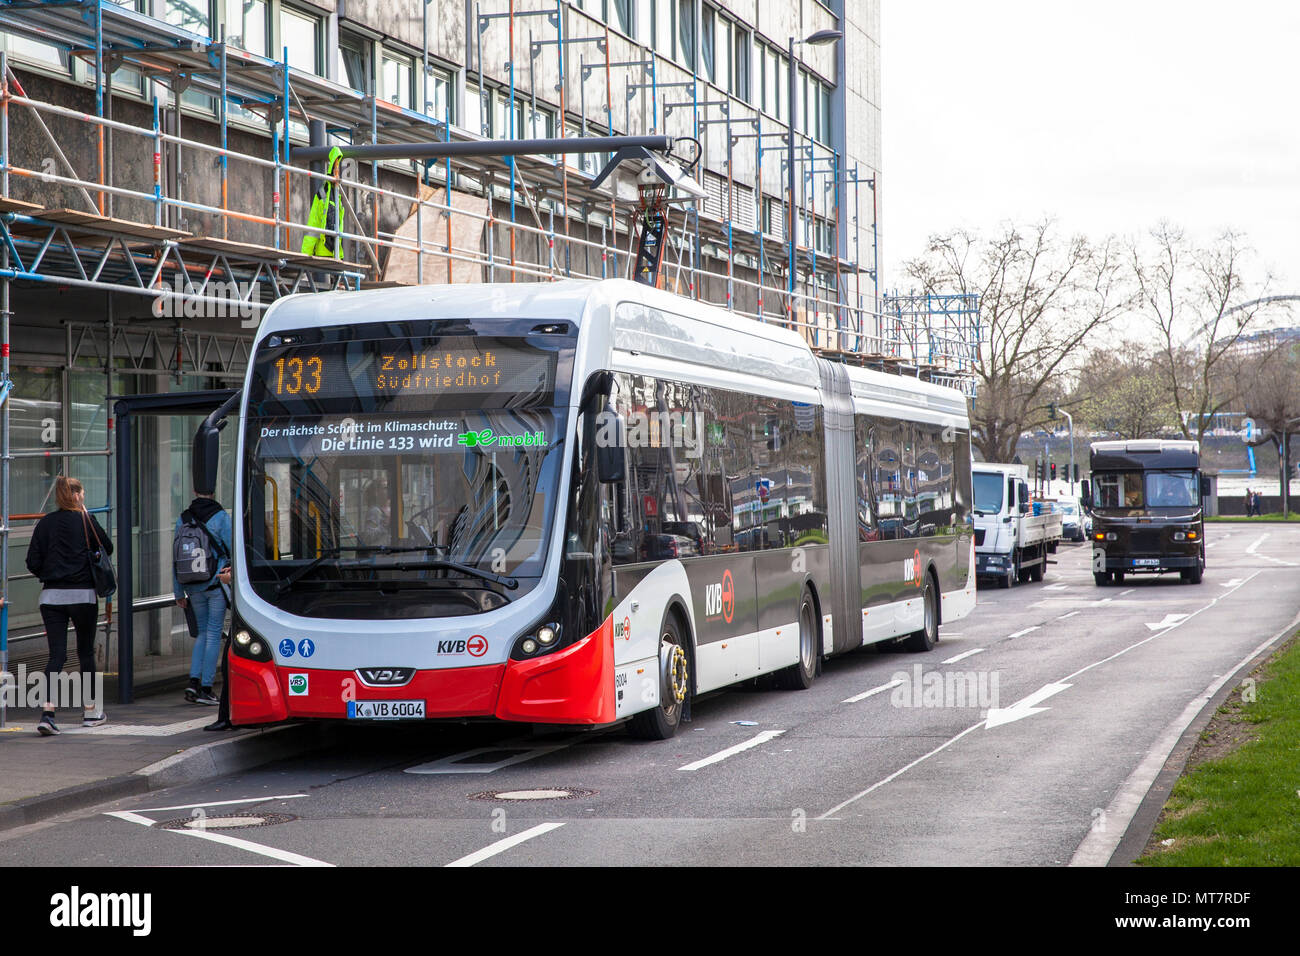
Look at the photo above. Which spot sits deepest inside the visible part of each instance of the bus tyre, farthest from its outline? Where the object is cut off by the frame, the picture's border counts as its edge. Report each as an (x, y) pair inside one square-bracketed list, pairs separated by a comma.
[(800, 676), (1101, 578), (660, 723), (1194, 575), (928, 635)]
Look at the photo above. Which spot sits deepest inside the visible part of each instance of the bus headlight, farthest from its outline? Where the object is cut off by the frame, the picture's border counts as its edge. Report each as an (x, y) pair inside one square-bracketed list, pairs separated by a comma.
[(546, 635), (529, 646), (1180, 536), (249, 645)]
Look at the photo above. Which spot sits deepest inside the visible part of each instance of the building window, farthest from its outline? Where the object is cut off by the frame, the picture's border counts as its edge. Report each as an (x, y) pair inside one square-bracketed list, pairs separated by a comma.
[(439, 94), (684, 42), (618, 14), (192, 15), (301, 33), (351, 64), (399, 80), (708, 44), (248, 26), (740, 64)]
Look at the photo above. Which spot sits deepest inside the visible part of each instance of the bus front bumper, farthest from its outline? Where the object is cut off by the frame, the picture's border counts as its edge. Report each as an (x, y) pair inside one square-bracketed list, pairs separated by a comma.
[(574, 685)]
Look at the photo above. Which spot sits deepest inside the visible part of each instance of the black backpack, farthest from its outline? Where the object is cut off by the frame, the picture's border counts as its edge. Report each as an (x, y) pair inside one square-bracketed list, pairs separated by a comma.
[(194, 552)]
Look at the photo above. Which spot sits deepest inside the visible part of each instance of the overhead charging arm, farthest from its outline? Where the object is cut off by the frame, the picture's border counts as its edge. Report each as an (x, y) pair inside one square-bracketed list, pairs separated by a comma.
[(207, 446)]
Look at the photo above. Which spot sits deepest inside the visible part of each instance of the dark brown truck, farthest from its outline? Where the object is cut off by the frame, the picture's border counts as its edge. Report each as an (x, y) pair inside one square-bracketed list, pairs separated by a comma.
[(1145, 498)]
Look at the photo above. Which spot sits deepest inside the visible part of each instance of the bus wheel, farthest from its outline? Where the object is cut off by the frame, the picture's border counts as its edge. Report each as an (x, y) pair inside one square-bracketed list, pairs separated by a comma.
[(1194, 575), (1101, 578), (800, 676), (928, 635), (660, 723)]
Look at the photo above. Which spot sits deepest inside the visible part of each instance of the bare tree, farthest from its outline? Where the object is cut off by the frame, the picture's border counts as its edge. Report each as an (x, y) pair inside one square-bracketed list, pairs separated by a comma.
[(1124, 393), (1271, 396), (1197, 301), (1042, 296)]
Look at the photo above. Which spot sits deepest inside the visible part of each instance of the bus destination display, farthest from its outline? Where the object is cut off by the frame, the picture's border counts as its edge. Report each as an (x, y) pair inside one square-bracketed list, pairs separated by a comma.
[(388, 368)]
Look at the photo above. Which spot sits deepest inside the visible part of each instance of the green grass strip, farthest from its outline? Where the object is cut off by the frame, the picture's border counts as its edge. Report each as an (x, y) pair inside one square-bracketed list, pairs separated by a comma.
[(1242, 809)]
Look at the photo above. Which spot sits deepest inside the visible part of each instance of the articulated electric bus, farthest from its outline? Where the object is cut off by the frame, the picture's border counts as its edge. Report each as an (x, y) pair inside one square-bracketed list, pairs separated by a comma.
[(574, 503)]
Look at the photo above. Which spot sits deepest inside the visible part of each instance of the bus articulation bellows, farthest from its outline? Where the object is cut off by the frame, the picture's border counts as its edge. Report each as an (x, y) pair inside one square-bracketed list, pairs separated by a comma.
[(574, 503)]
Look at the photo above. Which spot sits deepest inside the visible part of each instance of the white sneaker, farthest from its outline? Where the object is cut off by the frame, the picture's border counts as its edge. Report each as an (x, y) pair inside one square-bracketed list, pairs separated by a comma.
[(93, 720)]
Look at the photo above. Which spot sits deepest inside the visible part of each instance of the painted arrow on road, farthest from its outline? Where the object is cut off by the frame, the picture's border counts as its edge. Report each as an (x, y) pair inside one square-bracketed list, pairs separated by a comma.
[(1023, 708), (1233, 583), (1169, 621)]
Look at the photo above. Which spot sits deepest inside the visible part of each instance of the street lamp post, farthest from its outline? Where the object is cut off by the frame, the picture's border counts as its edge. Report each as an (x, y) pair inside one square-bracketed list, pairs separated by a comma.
[(1285, 468), (816, 39), (1070, 418)]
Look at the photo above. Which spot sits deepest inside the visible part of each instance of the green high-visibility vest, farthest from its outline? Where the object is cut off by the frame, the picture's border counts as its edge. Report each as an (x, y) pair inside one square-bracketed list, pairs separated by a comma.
[(327, 214)]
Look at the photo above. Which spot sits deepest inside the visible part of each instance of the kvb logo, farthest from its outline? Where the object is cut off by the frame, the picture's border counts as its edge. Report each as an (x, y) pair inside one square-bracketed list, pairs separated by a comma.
[(912, 571), (720, 599), (623, 629)]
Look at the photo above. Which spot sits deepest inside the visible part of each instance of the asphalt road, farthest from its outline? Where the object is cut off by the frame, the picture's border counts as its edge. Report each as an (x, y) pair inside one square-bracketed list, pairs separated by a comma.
[(1089, 681)]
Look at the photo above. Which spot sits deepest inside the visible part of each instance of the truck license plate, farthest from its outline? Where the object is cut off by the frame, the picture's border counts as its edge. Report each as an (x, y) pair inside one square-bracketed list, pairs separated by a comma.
[(385, 709)]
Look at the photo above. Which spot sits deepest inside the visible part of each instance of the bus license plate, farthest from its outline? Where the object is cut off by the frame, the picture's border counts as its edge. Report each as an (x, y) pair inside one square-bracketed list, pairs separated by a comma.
[(385, 709), (1146, 562)]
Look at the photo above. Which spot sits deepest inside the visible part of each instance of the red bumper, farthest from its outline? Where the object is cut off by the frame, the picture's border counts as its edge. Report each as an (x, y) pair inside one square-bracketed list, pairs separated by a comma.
[(572, 686)]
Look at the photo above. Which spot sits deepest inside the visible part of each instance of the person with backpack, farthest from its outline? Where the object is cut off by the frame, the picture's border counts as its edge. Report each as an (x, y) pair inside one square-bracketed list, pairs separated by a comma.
[(64, 542), (201, 549)]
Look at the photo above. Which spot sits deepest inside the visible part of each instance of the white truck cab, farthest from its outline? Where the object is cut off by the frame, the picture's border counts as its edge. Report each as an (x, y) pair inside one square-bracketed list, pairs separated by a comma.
[(1011, 541)]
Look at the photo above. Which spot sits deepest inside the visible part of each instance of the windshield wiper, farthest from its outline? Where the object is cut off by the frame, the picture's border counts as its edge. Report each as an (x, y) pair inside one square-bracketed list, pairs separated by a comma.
[(439, 563)]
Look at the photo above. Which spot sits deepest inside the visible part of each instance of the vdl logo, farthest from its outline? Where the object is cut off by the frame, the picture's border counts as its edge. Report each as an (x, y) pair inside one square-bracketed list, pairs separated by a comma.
[(720, 598)]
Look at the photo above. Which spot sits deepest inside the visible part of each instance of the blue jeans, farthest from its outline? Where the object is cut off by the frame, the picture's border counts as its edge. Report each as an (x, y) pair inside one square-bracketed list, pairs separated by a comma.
[(210, 613)]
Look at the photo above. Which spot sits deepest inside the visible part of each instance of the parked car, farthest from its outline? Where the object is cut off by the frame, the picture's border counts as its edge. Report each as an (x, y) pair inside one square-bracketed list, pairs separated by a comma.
[(1075, 522)]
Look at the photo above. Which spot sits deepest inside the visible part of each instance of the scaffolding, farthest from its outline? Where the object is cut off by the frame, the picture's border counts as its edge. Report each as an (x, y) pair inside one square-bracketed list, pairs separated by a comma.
[(185, 248)]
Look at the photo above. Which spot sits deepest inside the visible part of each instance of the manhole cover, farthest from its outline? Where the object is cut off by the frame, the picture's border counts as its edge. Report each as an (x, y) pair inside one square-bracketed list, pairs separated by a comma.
[(534, 793), (226, 821)]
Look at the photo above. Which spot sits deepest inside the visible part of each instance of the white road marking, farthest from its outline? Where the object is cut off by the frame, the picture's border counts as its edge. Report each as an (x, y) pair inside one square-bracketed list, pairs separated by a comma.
[(1169, 621), (224, 803), (1024, 632), (762, 738), (963, 655), (284, 856), (897, 773), (871, 693), (1129, 591), (1064, 616), (948, 743), (514, 753), (1055, 587), (1256, 543), (1023, 708), (1230, 584), (1099, 846), (492, 849), (947, 634)]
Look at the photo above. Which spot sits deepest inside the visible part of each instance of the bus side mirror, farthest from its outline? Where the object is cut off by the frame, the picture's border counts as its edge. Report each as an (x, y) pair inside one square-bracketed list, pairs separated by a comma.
[(611, 465), (1085, 495), (207, 447), (1205, 486)]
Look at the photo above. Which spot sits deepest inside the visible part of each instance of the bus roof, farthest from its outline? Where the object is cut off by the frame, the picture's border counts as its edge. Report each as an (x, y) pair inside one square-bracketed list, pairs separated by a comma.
[(1144, 454), (669, 330)]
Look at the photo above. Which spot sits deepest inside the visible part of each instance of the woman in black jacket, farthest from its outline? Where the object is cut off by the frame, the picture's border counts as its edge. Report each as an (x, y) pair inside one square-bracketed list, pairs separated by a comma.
[(59, 555)]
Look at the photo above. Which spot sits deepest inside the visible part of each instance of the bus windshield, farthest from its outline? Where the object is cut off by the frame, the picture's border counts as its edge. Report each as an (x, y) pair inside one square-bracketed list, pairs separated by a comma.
[(401, 478), (1149, 489), (988, 492)]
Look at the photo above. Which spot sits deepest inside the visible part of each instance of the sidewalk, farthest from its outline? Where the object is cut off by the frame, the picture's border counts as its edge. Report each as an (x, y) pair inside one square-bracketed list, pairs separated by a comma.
[(156, 742)]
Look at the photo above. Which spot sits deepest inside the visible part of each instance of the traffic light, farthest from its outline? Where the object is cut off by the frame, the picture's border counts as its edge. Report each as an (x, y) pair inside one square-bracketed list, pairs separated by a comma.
[(1053, 471), (1076, 472), (1051, 410)]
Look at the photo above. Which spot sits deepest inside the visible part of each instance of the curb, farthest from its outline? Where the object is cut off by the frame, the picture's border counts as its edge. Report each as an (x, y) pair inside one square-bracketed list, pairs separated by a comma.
[(192, 765), (1143, 824)]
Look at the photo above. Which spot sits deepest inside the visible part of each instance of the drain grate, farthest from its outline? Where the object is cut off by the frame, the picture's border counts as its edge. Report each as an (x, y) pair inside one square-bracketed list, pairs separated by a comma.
[(226, 821), (534, 793)]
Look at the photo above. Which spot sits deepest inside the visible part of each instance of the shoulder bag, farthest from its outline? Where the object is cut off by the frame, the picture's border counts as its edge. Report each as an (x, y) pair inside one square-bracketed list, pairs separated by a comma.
[(101, 568)]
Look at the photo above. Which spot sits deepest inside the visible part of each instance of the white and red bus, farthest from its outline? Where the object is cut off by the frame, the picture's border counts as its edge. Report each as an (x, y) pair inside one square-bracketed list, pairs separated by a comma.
[(574, 503)]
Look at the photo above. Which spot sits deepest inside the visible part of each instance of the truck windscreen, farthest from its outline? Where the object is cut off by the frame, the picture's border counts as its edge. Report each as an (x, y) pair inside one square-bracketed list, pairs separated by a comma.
[(989, 489)]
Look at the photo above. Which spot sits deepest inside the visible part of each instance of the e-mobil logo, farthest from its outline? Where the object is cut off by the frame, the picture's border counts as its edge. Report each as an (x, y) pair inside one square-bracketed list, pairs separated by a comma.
[(720, 599)]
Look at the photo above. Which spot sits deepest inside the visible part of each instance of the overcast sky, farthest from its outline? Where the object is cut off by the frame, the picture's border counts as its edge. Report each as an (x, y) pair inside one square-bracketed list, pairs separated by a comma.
[(1108, 115)]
